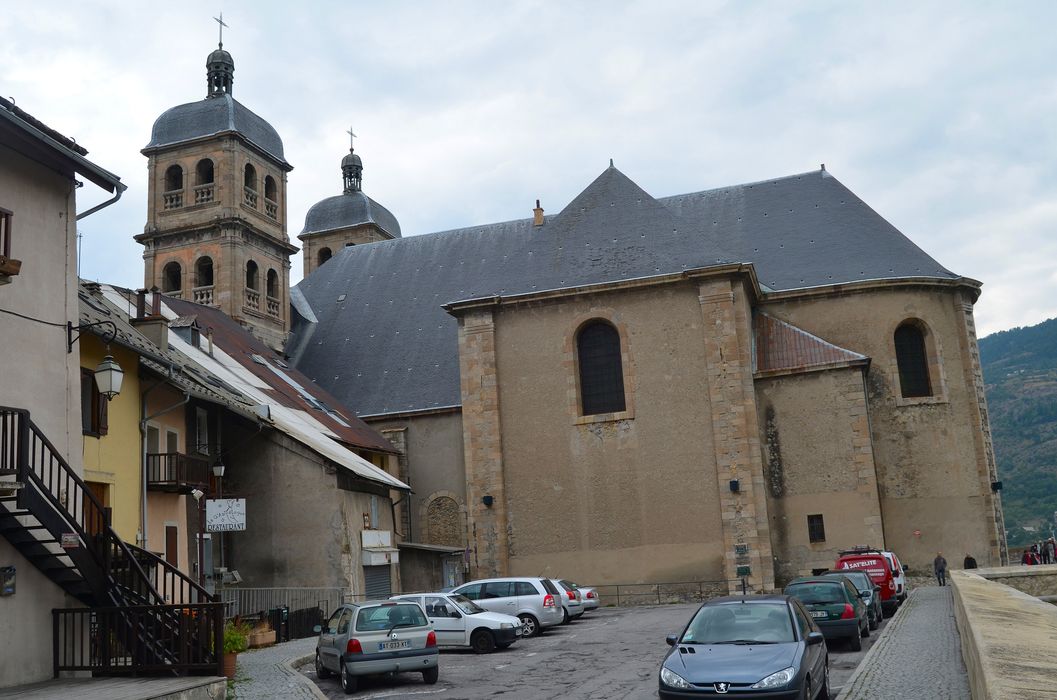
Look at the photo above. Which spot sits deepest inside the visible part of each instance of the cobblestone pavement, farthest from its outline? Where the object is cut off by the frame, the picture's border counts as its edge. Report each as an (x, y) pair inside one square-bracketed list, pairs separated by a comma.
[(920, 656), (609, 653), (263, 674)]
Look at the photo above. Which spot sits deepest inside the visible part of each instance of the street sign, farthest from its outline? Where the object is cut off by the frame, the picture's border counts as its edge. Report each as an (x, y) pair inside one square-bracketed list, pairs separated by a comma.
[(70, 540), (225, 514)]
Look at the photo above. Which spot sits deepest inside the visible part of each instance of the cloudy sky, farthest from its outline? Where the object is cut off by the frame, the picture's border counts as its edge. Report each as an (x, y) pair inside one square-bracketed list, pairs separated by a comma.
[(942, 116)]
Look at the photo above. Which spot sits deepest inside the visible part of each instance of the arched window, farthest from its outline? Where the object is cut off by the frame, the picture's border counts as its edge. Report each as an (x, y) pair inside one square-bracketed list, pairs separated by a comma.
[(171, 277), (273, 284), (174, 178), (204, 272), (250, 177), (601, 370), (324, 255), (252, 276), (912, 359), (204, 172), (269, 188)]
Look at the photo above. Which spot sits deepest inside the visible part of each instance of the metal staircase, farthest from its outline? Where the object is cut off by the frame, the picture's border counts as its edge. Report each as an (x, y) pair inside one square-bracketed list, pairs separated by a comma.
[(141, 614)]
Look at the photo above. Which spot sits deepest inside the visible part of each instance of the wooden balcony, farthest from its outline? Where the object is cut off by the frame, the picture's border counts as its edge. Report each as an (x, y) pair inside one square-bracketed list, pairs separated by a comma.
[(176, 473)]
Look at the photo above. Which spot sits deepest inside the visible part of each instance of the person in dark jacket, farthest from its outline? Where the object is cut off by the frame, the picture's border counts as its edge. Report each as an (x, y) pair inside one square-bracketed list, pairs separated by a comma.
[(970, 562), (939, 567)]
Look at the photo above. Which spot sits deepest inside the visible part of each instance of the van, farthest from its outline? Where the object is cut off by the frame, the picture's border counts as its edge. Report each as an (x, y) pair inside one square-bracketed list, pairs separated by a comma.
[(875, 564)]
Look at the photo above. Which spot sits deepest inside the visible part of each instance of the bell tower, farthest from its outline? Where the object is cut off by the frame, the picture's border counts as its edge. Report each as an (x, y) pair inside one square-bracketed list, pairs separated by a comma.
[(216, 208)]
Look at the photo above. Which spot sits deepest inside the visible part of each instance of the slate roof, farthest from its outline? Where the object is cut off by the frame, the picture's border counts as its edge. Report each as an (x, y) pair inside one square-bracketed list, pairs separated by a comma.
[(349, 209), (782, 347), (383, 344), (211, 116)]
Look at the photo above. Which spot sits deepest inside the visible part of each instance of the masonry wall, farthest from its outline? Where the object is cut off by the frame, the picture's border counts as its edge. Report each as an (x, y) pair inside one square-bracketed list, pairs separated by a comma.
[(818, 458), (932, 461), (47, 383), (609, 499), (301, 529)]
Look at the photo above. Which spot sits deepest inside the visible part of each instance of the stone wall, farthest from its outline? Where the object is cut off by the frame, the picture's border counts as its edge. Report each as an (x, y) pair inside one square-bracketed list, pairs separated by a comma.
[(1034, 580), (1007, 638)]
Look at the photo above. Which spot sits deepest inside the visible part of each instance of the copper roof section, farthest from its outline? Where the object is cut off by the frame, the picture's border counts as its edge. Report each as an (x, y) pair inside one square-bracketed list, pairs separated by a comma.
[(782, 348), (242, 345)]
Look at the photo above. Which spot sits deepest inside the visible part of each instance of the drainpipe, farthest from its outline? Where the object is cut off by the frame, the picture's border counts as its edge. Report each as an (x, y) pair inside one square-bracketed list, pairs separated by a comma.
[(119, 190), (143, 443)]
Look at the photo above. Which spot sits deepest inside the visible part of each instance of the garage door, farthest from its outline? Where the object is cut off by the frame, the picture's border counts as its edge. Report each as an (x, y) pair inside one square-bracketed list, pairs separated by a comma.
[(378, 583)]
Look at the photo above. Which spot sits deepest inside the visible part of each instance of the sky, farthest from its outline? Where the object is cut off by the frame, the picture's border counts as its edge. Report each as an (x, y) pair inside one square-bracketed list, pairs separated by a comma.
[(942, 116)]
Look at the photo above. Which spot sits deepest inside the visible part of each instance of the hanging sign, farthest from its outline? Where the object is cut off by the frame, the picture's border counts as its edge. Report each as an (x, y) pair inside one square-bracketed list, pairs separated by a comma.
[(70, 540), (225, 514)]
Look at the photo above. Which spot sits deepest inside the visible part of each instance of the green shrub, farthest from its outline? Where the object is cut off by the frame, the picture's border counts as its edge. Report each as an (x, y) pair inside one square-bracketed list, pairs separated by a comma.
[(236, 637)]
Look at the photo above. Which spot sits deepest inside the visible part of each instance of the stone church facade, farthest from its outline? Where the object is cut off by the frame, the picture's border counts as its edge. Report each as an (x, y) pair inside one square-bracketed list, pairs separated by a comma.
[(796, 378), (727, 384)]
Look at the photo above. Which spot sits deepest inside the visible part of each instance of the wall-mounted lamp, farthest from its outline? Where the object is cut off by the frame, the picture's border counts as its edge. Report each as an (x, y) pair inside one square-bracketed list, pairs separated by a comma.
[(735, 486), (218, 470), (996, 486), (108, 374), (487, 501)]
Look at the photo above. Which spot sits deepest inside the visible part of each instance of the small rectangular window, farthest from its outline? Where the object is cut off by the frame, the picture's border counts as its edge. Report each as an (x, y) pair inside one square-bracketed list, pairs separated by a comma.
[(201, 431), (93, 406), (816, 529)]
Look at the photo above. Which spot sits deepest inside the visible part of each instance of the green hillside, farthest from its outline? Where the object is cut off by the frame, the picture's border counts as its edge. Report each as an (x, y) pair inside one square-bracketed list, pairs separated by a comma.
[(1020, 369)]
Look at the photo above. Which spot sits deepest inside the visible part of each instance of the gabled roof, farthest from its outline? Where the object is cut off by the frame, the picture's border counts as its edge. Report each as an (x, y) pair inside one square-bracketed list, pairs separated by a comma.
[(383, 344), (782, 348)]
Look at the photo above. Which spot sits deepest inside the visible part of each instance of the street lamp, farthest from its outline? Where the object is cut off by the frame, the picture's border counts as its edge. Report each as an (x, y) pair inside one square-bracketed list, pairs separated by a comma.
[(108, 376), (197, 495)]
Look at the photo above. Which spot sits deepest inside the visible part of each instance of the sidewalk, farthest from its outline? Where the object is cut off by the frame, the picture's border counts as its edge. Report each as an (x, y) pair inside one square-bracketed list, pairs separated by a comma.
[(918, 656), (267, 674)]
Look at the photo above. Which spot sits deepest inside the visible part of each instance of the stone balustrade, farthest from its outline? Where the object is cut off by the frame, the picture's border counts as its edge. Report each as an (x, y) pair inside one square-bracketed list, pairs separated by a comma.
[(271, 208), (253, 299), (173, 199), (203, 295), (249, 197), (273, 307), (204, 193)]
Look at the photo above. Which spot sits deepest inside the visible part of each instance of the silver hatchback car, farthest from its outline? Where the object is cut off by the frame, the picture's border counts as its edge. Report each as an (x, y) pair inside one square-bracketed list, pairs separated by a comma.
[(383, 636), (535, 601)]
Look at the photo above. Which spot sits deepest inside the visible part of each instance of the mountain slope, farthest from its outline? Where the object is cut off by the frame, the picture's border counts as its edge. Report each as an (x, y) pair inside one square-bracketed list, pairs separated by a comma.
[(1020, 370)]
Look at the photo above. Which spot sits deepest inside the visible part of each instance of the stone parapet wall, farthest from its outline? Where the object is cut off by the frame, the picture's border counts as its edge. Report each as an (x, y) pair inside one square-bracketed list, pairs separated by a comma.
[(1007, 637), (1034, 580)]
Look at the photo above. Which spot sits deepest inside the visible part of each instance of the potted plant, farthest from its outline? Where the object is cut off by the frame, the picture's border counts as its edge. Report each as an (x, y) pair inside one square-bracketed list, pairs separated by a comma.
[(235, 640)]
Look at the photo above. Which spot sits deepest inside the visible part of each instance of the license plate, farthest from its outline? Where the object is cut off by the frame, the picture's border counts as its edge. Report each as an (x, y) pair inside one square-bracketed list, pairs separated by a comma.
[(389, 646), (819, 613)]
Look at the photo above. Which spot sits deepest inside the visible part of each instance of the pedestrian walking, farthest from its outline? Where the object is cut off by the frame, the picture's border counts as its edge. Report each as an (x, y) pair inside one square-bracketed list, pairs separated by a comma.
[(970, 562), (939, 567), (1050, 547)]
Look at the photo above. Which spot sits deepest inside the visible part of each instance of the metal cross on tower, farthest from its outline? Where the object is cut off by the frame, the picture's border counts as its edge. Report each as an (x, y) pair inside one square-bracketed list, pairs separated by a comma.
[(220, 21), (352, 136)]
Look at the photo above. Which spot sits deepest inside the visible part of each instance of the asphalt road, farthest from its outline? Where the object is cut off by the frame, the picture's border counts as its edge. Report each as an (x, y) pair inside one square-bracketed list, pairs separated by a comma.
[(609, 653)]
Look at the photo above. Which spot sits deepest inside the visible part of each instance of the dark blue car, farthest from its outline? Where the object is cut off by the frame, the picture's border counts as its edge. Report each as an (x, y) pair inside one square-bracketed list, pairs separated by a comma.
[(763, 646)]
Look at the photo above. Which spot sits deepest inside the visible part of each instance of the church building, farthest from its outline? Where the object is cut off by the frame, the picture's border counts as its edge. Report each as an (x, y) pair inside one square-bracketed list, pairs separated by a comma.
[(732, 383)]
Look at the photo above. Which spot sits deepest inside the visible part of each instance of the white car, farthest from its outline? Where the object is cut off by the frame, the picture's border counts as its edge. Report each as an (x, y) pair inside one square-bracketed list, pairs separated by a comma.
[(899, 574), (589, 595), (459, 622), (572, 601)]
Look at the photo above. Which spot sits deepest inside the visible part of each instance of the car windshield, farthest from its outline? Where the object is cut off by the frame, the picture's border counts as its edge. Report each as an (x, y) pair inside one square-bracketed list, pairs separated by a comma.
[(860, 580), (466, 605), (740, 623), (390, 616), (817, 593)]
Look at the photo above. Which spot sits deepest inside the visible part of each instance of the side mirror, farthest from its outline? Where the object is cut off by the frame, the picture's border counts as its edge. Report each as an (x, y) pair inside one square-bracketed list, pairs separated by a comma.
[(815, 638), (672, 639), (455, 614), (861, 594), (317, 629)]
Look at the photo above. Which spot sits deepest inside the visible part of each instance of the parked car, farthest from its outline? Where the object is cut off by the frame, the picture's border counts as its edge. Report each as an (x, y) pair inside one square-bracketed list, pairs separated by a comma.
[(835, 606), (381, 636), (758, 646), (535, 601), (869, 591), (590, 595), (899, 573), (460, 622), (874, 563), (572, 601)]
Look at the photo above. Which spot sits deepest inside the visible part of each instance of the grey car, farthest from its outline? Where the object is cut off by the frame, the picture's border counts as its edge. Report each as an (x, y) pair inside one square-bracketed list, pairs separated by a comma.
[(572, 601), (382, 636), (535, 601), (588, 594)]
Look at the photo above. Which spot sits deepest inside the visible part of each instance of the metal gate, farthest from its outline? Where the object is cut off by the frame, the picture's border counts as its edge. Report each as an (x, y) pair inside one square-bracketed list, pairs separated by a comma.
[(377, 582)]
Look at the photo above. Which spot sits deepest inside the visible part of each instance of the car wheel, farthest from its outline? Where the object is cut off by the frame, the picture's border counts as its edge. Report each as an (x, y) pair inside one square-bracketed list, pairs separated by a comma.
[(430, 675), (321, 670), (874, 622), (856, 642), (866, 629), (565, 616), (823, 693), (349, 682), (482, 642), (530, 626)]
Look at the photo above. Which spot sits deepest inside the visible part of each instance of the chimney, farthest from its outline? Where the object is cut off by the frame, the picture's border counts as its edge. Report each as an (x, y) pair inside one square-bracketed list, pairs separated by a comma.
[(152, 326), (537, 215)]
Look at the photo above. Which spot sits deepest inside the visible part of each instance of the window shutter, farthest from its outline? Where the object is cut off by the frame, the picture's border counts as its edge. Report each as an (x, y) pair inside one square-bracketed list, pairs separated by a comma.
[(103, 416)]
